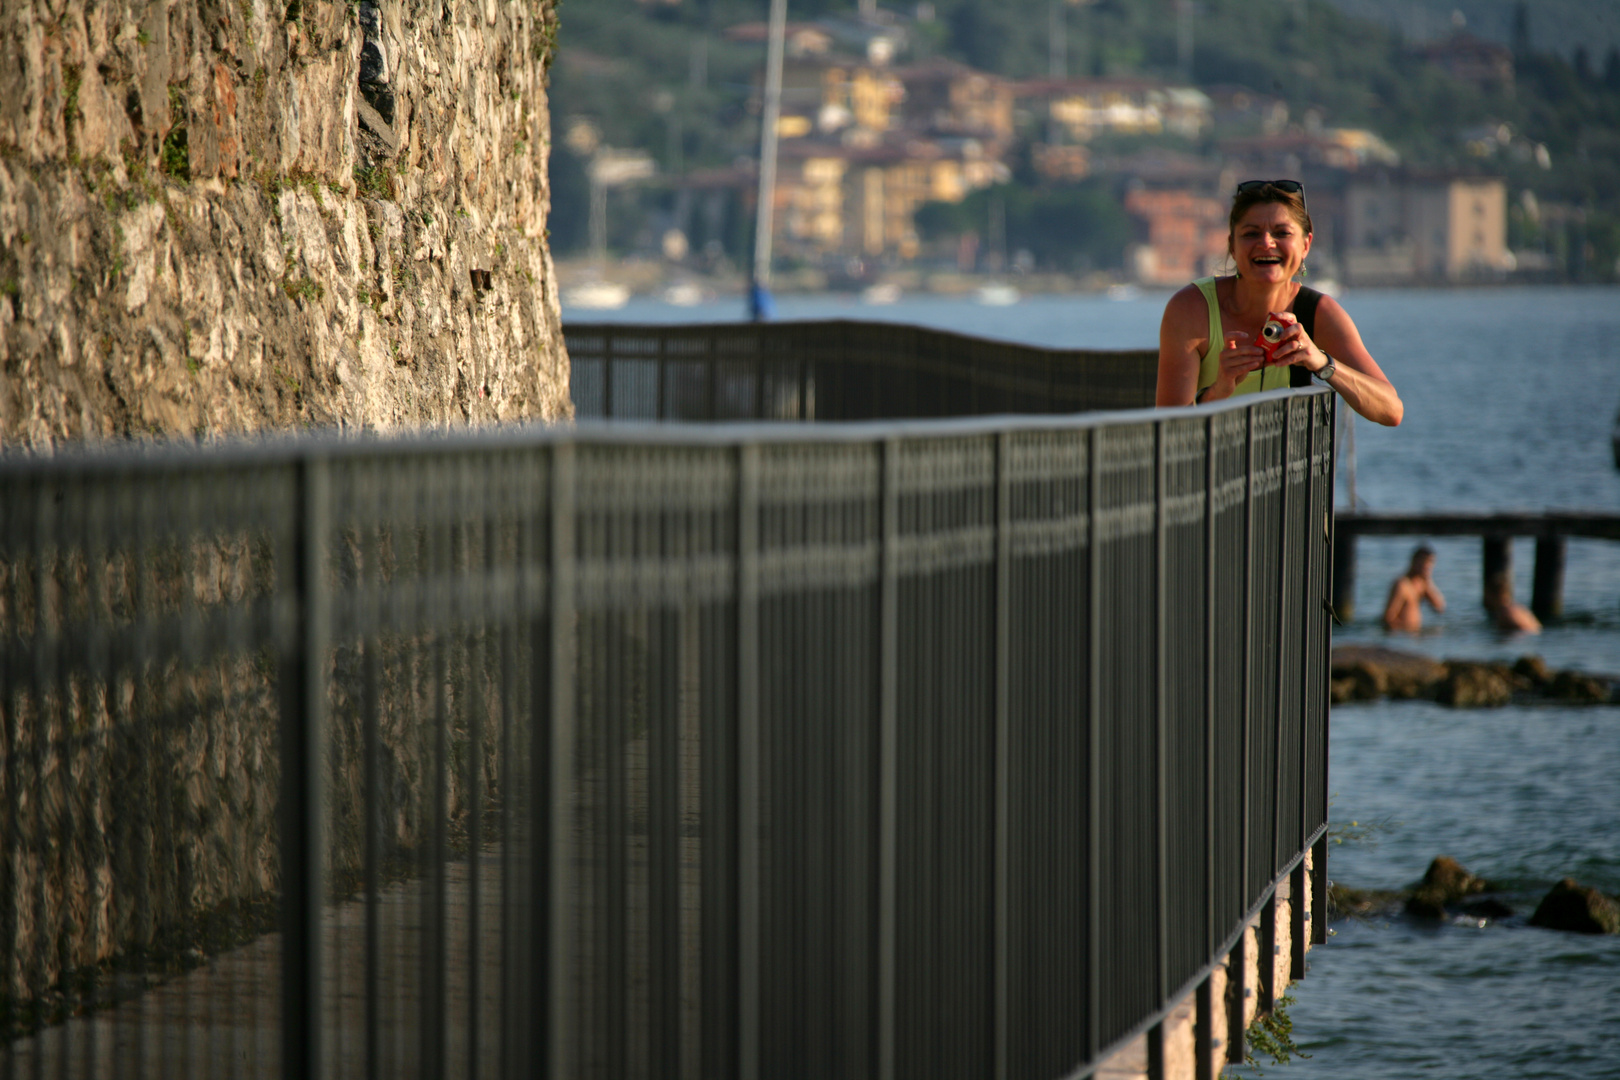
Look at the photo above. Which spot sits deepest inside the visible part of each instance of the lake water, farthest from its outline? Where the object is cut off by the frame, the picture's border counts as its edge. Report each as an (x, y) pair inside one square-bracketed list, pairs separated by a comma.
[(1510, 396)]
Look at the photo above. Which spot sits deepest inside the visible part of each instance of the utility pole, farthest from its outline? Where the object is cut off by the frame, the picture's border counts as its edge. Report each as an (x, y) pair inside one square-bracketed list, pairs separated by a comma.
[(1184, 38), (1058, 39), (759, 290)]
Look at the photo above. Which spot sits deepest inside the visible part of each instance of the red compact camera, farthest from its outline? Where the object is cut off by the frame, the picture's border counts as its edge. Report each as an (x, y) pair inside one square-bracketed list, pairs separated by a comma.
[(1271, 336)]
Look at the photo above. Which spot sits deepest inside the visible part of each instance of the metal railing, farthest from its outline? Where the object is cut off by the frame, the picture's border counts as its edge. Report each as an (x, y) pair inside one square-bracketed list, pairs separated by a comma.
[(838, 370), (955, 749)]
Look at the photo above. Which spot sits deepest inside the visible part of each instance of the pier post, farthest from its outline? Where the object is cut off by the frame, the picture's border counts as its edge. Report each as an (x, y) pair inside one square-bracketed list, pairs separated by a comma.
[(1344, 574), (1498, 558), (1547, 593)]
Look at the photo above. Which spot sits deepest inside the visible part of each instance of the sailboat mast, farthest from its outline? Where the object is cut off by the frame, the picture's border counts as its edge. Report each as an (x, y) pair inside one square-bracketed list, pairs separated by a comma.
[(767, 144)]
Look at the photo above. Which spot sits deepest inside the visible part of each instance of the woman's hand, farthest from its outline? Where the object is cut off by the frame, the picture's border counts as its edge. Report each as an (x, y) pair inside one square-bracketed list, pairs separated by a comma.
[(1239, 358), (1357, 379), (1295, 347)]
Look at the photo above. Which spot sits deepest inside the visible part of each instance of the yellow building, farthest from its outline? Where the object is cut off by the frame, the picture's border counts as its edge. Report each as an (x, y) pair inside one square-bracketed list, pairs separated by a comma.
[(1089, 107), (833, 198)]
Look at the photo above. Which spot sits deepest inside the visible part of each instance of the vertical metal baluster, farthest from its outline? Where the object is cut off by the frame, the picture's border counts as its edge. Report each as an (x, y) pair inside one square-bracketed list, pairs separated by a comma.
[(1093, 753), (480, 576), (437, 569), (137, 502), (371, 749), (749, 764), (1266, 954), (1204, 1024), (15, 641), (1003, 751), (1237, 995), (888, 755), (1310, 604), (1283, 650), (45, 646), (1204, 1049), (61, 682), (660, 410), (182, 502), (1319, 857), (1212, 932), (1161, 827), (302, 798), (553, 788), (93, 509), (1248, 648)]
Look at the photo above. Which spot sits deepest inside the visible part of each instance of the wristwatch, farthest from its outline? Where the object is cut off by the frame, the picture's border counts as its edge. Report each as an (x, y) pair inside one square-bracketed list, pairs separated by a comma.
[(1327, 369)]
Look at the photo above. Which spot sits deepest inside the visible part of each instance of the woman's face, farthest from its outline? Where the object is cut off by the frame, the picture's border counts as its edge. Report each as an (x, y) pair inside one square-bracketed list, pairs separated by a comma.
[(1268, 245)]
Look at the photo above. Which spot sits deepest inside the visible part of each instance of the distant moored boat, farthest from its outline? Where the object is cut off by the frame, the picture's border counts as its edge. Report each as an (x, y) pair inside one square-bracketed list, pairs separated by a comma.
[(998, 294), (597, 295), (684, 294)]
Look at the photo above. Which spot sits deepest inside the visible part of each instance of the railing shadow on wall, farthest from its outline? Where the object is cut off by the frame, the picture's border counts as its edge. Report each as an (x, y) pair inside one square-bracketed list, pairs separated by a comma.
[(957, 748)]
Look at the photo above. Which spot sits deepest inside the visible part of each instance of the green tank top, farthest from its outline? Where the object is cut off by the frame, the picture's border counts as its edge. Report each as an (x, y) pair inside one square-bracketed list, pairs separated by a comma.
[(1269, 378)]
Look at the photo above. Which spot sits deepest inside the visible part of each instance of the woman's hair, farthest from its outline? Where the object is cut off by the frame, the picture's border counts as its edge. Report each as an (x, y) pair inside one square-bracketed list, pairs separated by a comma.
[(1244, 201)]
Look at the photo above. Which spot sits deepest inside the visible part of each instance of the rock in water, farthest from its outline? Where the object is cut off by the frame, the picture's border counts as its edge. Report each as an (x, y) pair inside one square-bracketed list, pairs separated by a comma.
[(1451, 879), (1488, 908), (1579, 908), (1422, 905), (1446, 881), (1575, 687), (1534, 668), (1366, 672), (1475, 686)]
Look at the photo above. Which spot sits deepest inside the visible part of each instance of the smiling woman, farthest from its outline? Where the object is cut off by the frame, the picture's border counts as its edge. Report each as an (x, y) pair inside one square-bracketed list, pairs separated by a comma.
[(1209, 340)]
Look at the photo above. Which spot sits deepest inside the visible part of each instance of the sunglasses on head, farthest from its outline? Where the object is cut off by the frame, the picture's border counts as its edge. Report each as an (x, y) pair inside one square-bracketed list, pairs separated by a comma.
[(1291, 187)]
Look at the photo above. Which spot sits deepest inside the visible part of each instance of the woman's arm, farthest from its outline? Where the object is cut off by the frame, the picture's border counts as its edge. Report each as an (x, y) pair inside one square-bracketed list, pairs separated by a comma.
[(1358, 378), (1183, 333), (1183, 338)]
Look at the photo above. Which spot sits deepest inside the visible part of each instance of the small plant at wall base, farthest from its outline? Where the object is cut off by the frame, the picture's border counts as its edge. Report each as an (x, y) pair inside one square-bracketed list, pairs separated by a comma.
[(1272, 1034), (373, 181), (176, 159)]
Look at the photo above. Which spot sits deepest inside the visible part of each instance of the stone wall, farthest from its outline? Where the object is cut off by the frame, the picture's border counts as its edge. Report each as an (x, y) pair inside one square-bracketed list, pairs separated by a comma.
[(241, 215)]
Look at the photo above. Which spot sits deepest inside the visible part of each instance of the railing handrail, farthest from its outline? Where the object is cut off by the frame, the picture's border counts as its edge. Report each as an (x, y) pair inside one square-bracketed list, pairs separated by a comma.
[(286, 449)]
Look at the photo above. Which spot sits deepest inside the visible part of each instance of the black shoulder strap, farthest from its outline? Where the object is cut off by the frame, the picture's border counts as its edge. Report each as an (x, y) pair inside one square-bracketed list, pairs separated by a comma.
[(1304, 309)]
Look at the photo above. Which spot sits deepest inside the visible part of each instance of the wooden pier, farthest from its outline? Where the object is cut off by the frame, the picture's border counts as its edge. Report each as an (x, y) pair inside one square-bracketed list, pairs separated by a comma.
[(1551, 531)]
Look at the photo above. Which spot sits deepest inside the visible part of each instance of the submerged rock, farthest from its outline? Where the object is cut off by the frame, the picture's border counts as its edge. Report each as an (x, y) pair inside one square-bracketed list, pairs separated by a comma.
[(1422, 905), (1365, 672), (1574, 687), (1487, 908), (1469, 685), (1451, 879), (1533, 668), (1346, 900), (1578, 908), (1370, 672), (1445, 882)]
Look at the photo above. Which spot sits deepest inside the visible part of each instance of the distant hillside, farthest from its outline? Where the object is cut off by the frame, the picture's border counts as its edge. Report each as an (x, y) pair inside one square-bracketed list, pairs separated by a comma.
[(662, 77), (1556, 26)]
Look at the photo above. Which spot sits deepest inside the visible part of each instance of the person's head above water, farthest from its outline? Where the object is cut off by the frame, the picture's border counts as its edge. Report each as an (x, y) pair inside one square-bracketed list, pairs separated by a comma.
[(1422, 554), (1263, 213)]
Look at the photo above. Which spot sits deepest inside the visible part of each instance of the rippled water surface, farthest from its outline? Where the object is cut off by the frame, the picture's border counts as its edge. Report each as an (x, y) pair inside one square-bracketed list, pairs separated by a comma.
[(1510, 396)]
